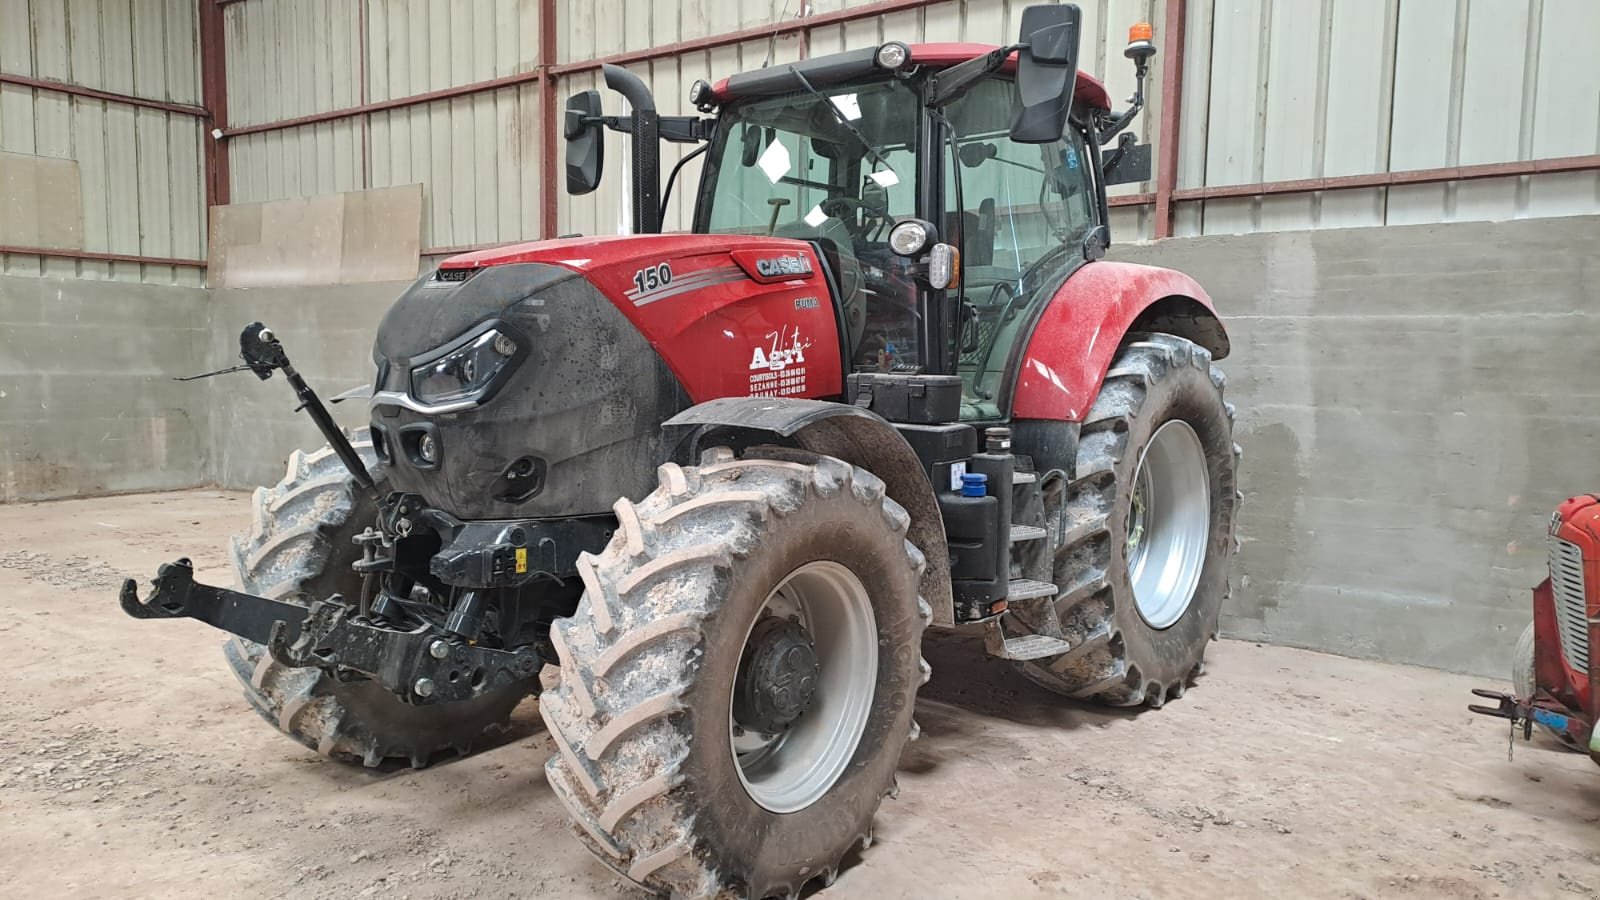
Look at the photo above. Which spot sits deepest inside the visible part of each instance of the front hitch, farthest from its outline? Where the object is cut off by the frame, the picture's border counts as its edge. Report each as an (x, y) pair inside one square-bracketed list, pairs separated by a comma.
[(420, 666)]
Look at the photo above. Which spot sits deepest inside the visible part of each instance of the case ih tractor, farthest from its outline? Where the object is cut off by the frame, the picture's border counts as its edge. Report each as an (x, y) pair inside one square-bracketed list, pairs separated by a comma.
[(724, 480), (1553, 675)]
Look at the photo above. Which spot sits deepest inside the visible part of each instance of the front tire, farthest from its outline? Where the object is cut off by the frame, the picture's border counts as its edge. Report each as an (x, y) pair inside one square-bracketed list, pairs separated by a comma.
[(300, 547), (1524, 685), (1148, 521), (660, 784)]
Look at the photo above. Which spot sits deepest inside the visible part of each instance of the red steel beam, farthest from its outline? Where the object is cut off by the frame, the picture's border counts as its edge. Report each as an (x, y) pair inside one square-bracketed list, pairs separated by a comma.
[(460, 90), (1173, 32), (78, 90), (1131, 200), (881, 7), (549, 202), (1394, 179), (214, 94), (96, 256)]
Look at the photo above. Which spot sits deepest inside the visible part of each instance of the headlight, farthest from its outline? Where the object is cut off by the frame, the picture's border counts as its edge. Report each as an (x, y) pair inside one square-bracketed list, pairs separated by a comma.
[(466, 372), (893, 55), (910, 237)]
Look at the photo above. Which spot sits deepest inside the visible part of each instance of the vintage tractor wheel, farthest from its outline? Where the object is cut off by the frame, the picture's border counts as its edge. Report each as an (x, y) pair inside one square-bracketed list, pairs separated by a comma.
[(1148, 524), (738, 680), (300, 546), (1522, 684)]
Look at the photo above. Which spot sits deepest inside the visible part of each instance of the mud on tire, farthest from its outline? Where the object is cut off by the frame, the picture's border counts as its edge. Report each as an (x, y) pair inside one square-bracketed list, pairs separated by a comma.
[(300, 546), (642, 717), (1117, 657)]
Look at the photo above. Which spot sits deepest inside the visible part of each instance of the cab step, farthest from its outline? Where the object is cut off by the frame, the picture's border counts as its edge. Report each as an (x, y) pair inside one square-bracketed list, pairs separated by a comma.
[(1029, 646), (1027, 589), (1020, 533)]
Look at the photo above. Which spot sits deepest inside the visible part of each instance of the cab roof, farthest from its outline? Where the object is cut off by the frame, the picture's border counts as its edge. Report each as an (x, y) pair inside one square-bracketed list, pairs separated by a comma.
[(838, 67)]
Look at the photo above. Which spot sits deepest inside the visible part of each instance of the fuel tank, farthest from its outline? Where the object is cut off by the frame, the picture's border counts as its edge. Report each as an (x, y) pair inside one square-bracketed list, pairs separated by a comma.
[(560, 359)]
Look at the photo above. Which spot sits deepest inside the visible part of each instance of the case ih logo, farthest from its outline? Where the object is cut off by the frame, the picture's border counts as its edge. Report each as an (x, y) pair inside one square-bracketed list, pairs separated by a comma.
[(779, 266)]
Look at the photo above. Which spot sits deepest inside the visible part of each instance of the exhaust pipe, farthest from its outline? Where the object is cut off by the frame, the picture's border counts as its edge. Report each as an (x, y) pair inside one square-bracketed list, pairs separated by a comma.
[(646, 147)]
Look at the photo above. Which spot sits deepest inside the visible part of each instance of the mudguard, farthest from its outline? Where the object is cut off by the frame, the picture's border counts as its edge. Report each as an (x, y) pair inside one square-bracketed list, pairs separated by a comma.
[(852, 434), (1080, 329)]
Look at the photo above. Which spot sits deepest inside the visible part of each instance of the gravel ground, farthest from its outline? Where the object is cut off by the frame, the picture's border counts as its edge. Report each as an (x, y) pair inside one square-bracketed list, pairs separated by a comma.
[(131, 766)]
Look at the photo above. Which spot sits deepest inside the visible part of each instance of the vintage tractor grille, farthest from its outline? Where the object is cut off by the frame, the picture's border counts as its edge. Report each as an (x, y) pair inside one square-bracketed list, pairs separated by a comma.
[(1566, 580)]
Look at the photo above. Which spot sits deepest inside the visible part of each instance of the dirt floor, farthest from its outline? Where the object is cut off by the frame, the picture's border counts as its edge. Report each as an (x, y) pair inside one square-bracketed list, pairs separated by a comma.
[(130, 766)]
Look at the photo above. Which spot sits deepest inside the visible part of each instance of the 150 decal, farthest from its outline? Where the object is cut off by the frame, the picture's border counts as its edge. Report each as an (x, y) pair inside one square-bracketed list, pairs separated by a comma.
[(652, 278)]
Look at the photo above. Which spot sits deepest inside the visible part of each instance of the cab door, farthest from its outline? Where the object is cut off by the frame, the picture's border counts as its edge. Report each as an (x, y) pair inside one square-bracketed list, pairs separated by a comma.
[(1025, 212)]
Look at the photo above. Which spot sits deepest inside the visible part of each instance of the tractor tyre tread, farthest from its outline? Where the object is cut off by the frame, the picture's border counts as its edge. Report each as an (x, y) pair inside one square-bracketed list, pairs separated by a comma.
[(1094, 605), (622, 718)]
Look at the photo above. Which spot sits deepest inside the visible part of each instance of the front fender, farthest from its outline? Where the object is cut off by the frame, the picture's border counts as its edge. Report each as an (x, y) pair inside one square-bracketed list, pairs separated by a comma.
[(1080, 329), (850, 433)]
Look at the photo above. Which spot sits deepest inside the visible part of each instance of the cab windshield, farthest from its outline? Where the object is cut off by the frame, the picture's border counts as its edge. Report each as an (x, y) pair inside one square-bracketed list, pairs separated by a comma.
[(788, 167)]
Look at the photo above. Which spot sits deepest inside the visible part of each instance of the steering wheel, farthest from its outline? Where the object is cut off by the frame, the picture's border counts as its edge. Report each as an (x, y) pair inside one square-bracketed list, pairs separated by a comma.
[(845, 208)]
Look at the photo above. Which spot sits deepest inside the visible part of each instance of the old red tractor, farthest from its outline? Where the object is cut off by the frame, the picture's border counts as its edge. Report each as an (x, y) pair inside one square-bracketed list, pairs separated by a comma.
[(1555, 682), (725, 479)]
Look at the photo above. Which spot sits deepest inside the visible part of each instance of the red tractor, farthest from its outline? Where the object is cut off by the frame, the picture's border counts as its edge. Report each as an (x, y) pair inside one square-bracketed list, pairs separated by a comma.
[(725, 479), (1555, 680)]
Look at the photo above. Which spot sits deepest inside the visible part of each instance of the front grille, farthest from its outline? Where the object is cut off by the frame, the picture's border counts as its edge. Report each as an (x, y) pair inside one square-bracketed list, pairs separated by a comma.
[(1566, 581)]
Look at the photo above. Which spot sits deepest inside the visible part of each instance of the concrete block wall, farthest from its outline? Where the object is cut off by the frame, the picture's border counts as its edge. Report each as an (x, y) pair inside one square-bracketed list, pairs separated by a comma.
[(87, 400), (1413, 403)]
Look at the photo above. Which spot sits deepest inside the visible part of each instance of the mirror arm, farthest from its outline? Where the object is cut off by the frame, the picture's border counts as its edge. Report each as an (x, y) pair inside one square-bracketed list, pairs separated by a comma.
[(686, 129), (958, 79), (1125, 118)]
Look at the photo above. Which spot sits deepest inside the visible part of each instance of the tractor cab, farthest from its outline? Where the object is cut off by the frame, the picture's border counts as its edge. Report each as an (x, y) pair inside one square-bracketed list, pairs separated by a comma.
[(950, 189)]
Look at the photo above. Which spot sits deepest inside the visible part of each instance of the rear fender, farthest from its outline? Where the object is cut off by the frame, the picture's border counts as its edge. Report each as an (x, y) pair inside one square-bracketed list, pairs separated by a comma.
[(1071, 348), (852, 434)]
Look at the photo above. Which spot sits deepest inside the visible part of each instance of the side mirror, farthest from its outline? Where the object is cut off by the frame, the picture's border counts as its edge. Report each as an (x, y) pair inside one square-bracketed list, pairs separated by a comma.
[(751, 145), (586, 142), (1047, 72)]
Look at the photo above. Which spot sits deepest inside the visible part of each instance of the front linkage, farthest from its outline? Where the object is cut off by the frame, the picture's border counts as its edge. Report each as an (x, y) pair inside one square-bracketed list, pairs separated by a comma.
[(420, 665), (421, 658)]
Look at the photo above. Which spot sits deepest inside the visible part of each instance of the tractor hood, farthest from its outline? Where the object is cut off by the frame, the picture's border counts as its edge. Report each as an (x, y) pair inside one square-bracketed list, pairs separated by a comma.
[(705, 302), (569, 354)]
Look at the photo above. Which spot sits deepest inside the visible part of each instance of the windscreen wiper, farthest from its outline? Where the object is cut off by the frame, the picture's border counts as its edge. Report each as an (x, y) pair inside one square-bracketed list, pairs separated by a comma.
[(839, 115)]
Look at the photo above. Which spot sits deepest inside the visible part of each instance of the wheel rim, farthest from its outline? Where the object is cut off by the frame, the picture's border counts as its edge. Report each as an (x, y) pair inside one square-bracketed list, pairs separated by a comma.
[(789, 771), (1169, 523)]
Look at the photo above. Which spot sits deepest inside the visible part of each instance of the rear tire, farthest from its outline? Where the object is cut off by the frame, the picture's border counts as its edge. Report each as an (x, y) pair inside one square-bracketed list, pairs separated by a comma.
[(300, 547), (642, 720), (1135, 638)]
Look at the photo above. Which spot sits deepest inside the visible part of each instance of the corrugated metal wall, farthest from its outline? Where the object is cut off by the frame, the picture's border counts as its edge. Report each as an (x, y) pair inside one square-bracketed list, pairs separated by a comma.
[(1273, 90), (1278, 90), (141, 168), (587, 32), (477, 156)]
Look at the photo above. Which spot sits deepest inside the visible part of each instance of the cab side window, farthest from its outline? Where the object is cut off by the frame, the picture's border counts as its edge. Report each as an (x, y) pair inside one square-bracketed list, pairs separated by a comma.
[(1026, 209)]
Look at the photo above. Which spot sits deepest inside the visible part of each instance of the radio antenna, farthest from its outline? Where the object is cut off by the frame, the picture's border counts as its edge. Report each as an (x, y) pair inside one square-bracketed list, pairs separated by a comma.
[(772, 41)]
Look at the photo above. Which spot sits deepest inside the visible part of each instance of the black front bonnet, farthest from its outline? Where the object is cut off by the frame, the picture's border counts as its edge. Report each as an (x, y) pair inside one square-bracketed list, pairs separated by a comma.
[(581, 412)]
